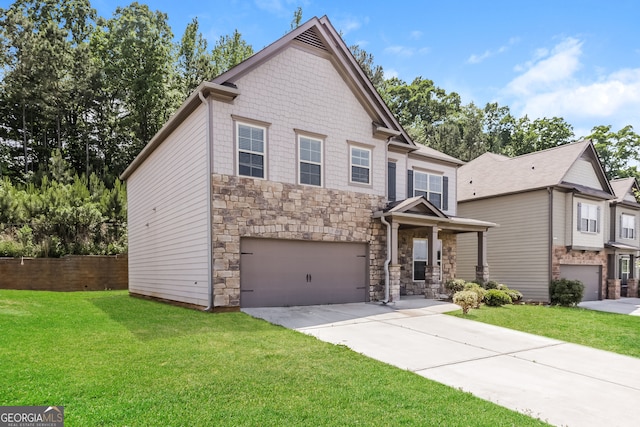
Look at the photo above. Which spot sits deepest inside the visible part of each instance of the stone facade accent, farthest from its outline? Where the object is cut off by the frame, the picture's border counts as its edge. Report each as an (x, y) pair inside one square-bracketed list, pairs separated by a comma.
[(394, 282), (246, 207), (563, 255), (632, 288), (405, 258), (613, 288)]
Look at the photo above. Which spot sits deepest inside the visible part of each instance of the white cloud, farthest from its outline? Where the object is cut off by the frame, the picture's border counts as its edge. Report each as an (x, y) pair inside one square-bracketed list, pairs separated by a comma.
[(280, 8), (405, 51), (348, 24), (476, 59), (390, 73), (416, 35), (551, 86)]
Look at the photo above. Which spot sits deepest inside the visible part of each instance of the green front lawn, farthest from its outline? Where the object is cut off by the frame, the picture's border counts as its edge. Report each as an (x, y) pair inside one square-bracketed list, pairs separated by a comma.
[(619, 333), (115, 360)]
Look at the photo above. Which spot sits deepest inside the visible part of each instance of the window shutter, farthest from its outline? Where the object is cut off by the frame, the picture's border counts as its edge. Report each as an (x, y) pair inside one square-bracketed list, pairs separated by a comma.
[(598, 221), (445, 193), (409, 184), (579, 216), (621, 225), (391, 190)]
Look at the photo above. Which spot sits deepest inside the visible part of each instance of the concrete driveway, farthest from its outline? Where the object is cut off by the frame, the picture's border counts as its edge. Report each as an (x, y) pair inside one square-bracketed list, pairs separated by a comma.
[(560, 383), (621, 306)]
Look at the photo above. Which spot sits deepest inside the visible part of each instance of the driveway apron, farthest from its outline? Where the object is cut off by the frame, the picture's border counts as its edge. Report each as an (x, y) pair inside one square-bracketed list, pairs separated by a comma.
[(560, 383)]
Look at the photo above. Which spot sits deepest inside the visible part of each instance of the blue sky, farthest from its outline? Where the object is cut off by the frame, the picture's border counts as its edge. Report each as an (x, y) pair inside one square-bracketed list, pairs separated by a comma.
[(575, 59)]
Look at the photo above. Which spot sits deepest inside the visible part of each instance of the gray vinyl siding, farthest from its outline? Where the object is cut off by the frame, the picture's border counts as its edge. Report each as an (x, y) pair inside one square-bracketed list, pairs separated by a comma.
[(560, 218), (518, 249), (168, 217), (582, 172)]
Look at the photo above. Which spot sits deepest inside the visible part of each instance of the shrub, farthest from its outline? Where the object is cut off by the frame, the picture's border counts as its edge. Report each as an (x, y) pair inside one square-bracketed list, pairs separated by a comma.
[(566, 292), (496, 298), (479, 290), (491, 284), (9, 248), (466, 300), (513, 294), (454, 285)]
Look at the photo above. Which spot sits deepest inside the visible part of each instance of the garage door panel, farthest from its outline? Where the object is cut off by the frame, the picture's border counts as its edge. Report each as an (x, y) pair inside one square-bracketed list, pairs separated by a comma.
[(589, 275), (287, 272)]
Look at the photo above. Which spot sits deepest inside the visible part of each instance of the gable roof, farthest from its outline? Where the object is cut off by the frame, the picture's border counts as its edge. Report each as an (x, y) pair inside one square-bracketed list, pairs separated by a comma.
[(319, 36), (494, 174), (416, 205), (624, 190)]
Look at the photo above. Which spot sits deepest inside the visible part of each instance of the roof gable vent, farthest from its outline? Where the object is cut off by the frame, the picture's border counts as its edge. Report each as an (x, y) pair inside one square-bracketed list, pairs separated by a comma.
[(311, 38)]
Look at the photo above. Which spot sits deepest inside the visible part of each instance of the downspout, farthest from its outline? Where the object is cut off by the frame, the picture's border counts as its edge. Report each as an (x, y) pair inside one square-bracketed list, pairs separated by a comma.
[(209, 200), (387, 261), (550, 222)]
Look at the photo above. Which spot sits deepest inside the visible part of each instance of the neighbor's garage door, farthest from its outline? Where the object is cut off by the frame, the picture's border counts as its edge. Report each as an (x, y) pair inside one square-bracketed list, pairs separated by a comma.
[(589, 275), (291, 272)]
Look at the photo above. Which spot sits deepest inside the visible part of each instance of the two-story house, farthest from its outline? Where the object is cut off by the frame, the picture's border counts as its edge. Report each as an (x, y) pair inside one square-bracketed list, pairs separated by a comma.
[(623, 243), (287, 181), (553, 207)]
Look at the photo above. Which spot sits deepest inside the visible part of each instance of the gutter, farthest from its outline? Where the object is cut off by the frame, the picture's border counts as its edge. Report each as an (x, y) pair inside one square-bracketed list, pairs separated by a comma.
[(387, 261), (550, 252), (208, 139)]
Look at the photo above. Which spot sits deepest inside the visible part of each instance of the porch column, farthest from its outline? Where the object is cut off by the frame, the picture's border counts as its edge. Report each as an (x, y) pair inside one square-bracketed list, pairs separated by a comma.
[(394, 243), (432, 271), (482, 269), (632, 282)]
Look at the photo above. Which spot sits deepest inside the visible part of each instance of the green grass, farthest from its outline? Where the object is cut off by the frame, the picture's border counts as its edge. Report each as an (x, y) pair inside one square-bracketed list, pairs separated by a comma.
[(619, 333), (115, 360)]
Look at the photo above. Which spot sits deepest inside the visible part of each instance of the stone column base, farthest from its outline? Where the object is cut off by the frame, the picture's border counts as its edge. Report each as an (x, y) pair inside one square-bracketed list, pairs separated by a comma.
[(613, 289), (394, 282), (432, 283), (482, 273), (632, 288)]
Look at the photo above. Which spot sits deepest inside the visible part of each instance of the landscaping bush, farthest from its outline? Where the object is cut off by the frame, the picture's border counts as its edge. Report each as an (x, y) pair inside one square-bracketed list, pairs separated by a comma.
[(565, 292), (513, 294), (454, 285), (496, 298), (466, 300), (479, 290), (491, 284)]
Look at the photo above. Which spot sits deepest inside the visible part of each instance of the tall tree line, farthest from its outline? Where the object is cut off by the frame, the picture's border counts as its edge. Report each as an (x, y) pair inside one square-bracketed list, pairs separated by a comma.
[(95, 88)]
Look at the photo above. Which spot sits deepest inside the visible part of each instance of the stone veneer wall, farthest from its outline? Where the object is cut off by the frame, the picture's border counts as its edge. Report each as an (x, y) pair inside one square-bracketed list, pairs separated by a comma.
[(246, 207), (562, 255), (405, 259)]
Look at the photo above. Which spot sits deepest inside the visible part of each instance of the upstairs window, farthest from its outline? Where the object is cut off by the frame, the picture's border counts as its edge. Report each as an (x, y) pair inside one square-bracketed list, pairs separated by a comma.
[(310, 160), (429, 186), (251, 150), (360, 165), (628, 229), (588, 218)]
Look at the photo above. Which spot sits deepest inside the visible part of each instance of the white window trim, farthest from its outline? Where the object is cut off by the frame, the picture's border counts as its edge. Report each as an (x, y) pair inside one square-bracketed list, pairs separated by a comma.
[(414, 259), (428, 189), (263, 154), (352, 165), (300, 161), (586, 211), (628, 232)]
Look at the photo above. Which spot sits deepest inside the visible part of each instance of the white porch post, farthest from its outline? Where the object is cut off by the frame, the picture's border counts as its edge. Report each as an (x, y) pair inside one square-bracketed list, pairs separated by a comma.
[(394, 267), (432, 271)]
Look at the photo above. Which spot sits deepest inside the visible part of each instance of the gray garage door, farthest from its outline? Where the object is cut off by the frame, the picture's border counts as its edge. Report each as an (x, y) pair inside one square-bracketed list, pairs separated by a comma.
[(589, 275), (290, 272)]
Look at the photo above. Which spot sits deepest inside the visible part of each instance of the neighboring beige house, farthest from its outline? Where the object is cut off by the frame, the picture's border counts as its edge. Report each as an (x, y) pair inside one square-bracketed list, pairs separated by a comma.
[(623, 245), (553, 208), (287, 181)]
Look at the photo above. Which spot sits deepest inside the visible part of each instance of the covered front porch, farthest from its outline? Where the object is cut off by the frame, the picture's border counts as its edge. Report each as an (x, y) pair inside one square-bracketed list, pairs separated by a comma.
[(421, 248), (622, 270)]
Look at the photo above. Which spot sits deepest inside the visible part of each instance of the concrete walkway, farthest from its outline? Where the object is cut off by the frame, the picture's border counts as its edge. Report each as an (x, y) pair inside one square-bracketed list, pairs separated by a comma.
[(560, 383), (621, 306)]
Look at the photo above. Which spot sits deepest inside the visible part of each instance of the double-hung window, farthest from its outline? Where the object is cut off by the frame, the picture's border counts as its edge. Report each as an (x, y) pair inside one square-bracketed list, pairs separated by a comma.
[(588, 217), (310, 160), (251, 150), (420, 251), (360, 165), (429, 186), (628, 230)]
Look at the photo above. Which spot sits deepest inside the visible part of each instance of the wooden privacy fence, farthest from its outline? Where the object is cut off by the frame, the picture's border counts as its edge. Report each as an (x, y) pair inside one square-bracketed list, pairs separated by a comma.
[(69, 273)]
